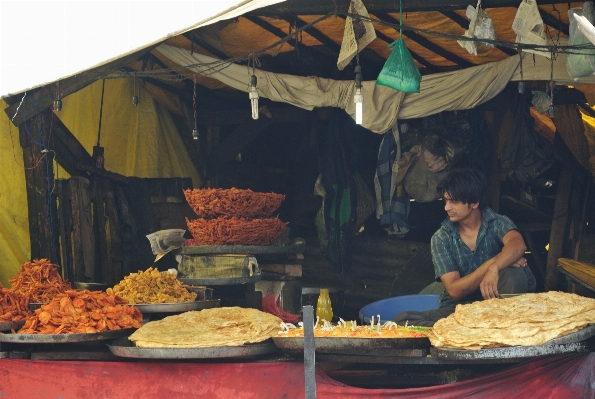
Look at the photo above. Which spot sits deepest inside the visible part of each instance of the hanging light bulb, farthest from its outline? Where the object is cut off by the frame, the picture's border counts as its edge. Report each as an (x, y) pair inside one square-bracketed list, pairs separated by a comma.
[(521, 87), (358, 98), (254, 97), (195, 133)]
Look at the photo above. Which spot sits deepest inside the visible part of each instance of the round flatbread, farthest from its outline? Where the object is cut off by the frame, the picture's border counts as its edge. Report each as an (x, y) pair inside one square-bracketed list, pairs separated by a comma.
[(228, 326)]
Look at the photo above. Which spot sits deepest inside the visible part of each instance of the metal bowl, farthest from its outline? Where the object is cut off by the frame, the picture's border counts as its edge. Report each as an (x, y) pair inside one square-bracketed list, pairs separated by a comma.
[(92, 286)]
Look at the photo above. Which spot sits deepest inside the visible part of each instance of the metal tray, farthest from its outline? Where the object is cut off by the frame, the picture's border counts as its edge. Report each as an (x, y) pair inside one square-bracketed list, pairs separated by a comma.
[(146, 308), (64, 338), (568, 343), (11, 325), (221, 281), (510, 352), (298, 247), (124, 348), (353, 345), (576, 336)]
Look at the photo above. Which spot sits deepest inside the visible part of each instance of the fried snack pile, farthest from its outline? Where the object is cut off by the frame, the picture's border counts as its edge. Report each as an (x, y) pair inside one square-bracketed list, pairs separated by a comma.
[(76, 312), (215, 202), (236, 231), (152, 286), (525, 320), (351, 330), (13, 306), (39, 281), (230, 326)]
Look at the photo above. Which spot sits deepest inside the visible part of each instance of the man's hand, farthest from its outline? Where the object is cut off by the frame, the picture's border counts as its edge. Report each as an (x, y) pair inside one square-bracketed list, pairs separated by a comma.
[(489, 284), (522, 262)]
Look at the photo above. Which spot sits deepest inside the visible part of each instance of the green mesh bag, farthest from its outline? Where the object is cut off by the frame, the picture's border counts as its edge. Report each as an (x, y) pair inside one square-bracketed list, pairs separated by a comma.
[(399, 71)]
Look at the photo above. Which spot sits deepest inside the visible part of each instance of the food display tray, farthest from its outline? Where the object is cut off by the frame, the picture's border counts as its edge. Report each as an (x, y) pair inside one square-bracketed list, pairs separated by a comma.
[(297, 248), (124, 348), (573, 342), (221, 281), (363, 346), (35, 305), (179, 307), (64, 338), (11, 325)]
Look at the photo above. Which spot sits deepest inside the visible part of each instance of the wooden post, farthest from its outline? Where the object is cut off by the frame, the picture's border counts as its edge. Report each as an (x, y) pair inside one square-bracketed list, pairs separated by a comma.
[(39, 177), (558, 232)]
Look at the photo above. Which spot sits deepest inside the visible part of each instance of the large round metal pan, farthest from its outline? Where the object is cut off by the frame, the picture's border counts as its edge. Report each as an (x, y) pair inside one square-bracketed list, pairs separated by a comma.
[(177, 307), (221, 281), (11, 325), (568, 343), (64, 338), (576, 336), (510, 352), (297, 248), (337, 345), (123, 348)]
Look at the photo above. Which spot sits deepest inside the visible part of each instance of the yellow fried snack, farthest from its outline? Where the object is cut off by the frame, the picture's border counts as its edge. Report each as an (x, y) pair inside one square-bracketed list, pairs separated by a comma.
[(152, 286)]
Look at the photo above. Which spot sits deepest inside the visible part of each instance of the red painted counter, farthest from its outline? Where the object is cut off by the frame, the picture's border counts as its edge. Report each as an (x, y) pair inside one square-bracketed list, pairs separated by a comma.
[(560, 376)]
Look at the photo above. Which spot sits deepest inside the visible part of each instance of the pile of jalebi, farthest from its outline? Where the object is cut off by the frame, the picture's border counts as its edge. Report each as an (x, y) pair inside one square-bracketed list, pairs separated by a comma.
[(152, 286), (39, 281), (235, 231), (13, 306), (234, 202), (75, 312)]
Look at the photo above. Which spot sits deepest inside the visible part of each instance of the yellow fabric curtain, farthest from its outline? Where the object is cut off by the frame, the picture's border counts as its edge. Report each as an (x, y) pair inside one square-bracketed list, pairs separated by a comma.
[(139, 141), (14, 220)]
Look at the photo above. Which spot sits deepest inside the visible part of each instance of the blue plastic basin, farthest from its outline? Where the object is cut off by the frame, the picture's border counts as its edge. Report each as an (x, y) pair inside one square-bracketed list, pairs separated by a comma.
[(390, 307)]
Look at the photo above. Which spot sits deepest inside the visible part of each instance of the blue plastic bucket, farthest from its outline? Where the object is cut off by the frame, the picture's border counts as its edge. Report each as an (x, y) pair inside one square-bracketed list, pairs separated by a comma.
[(390, 307)]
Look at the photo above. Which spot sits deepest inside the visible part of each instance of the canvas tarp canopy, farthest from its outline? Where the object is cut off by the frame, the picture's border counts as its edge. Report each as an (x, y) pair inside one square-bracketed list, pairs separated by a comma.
[(447, 91)]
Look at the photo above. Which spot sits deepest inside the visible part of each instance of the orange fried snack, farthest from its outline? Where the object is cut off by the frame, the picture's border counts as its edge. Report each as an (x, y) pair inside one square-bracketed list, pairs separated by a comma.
[(236, 231), (39, 281), (76, 312), (13, 306), (209, 203)]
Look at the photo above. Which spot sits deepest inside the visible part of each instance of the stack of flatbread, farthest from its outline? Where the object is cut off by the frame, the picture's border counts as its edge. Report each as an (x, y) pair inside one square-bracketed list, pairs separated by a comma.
[(525, 320), (230, 326)]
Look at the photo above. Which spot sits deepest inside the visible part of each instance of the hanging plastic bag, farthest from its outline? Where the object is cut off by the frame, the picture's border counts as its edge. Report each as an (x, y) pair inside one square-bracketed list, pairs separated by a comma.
[(580, 62), (399, 71), (481, 26)]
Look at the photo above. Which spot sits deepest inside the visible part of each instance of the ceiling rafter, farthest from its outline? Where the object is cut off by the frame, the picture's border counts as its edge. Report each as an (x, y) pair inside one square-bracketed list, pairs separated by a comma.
[(194, 38), (427, 43), (321, 7), (464, 23), (277, 32), (554, 22), (370, 56)]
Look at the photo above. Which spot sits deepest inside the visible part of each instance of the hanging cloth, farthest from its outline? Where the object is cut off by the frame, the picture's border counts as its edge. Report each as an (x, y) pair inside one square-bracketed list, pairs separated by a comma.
[(337, 168), (392, 202)]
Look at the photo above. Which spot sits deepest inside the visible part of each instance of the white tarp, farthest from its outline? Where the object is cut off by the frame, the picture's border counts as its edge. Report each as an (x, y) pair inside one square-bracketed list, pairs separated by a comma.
[(85, 35), (447, 91)]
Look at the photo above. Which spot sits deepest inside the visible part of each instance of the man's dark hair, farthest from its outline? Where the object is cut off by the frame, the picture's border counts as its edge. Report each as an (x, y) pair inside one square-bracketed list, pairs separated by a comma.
[(465, 185)]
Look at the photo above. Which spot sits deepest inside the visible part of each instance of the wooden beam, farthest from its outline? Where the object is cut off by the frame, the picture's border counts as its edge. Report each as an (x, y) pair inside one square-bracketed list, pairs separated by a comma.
[(234, 144), (558, 232), (277, 32), (194, 38), (43, 98), (321, 7), (554, 22), (422, 41), (39, 180)]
